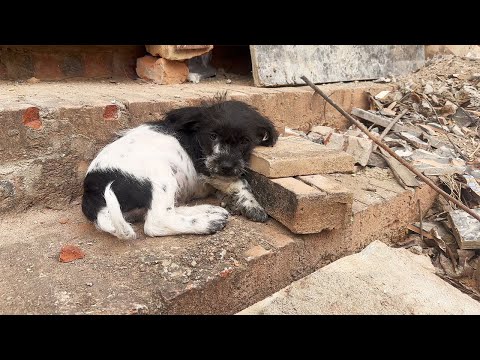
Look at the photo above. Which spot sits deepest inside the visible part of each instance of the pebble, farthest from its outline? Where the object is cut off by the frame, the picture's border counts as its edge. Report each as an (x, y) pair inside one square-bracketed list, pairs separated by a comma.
[(229, 81), (89, 284)]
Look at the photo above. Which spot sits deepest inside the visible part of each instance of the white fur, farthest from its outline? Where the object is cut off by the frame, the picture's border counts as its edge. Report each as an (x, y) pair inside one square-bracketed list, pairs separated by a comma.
[(146, 153), (122, 228)]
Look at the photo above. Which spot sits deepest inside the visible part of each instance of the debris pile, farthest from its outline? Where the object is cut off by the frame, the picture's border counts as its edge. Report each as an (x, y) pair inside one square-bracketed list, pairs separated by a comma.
[(432, 120)]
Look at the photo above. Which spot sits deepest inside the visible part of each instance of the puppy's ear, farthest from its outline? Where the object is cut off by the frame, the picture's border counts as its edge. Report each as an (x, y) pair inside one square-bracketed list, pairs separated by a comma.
[(185, 119), (266, 133)]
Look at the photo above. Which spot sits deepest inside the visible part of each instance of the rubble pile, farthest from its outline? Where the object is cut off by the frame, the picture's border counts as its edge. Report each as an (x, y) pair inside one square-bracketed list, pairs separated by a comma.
[(432, 120)]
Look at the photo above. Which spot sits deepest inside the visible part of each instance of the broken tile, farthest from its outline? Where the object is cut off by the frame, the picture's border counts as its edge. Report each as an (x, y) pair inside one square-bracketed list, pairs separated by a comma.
[(465, 228)]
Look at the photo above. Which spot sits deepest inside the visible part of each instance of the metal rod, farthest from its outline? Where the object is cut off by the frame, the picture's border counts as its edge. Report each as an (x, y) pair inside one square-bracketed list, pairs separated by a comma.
[(390, 151)]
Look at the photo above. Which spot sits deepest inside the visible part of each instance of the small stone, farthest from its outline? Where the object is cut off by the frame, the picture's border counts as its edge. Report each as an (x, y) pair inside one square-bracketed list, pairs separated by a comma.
[(228, 81), (225, 272), (33, 80), (63, 220), (89, 284), (457, 131), (428, 89), (222, 254), (193, 263)]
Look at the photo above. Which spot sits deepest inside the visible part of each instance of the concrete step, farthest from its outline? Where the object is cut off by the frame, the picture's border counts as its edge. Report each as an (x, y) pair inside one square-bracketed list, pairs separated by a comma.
[(379, 280), (51, 131), (216, 274)]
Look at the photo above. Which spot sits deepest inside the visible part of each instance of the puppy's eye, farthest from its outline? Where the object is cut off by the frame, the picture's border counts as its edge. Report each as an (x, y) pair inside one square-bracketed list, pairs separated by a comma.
[(213, 136)]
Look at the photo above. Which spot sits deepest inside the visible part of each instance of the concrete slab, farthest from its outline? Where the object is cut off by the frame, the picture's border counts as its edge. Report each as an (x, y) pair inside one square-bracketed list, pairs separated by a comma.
[(377, 281), (294, 156), (280, 65)]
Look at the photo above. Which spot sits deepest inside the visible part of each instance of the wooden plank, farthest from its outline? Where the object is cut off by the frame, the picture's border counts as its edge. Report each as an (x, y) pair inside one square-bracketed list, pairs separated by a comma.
[(401, 172), (383, 121), (280, 65)]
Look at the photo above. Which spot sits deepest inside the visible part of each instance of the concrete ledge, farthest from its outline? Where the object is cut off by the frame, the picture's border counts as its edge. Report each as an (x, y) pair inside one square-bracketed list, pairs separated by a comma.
[(72, 121)]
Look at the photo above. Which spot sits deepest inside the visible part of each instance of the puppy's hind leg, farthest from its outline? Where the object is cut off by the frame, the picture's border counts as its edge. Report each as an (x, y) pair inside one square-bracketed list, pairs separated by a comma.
[(164, 219)]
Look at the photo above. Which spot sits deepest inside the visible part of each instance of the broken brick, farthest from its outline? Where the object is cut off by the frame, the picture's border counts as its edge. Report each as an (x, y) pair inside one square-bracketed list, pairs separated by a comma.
[(162, 71), (31, 118), (110, 112), (71, 253)]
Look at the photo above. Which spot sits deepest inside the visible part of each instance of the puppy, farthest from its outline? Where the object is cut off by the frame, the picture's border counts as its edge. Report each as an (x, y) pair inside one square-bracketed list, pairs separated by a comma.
[(150, 171)]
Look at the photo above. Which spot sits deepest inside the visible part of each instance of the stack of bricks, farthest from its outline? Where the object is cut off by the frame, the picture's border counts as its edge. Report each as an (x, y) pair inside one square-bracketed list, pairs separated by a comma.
[(167, 63), (289, 181)]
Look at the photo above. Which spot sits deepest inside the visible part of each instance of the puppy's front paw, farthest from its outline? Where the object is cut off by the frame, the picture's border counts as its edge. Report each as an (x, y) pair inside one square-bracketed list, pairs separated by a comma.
[(255, 213), (217, 222)]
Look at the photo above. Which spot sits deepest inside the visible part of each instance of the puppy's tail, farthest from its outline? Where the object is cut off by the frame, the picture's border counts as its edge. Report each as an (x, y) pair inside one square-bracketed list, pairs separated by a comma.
[(123, 229)]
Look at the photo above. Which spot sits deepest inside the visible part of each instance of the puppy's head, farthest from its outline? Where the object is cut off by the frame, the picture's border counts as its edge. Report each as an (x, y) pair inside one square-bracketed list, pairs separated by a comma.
[(226, 133)]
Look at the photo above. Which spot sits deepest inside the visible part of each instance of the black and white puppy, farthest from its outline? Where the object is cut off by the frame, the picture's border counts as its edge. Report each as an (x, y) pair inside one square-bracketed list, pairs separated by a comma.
[(151, 170)]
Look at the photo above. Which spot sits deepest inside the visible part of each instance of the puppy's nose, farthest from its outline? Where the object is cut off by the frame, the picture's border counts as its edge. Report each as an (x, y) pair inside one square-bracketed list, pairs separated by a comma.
[(227, 167)]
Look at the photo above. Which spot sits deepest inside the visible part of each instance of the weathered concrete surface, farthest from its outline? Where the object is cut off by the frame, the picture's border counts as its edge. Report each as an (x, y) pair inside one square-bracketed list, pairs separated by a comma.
[(305, 205), (280, 65), (218, 274), (293, 156), (377, 281), (44, 155)]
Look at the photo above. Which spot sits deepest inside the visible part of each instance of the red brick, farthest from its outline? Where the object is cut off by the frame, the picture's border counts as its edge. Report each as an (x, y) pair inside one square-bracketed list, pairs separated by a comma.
[(47, 66), (31, 118), (71, 253), (98, 65), (110, 113), (162, 71)]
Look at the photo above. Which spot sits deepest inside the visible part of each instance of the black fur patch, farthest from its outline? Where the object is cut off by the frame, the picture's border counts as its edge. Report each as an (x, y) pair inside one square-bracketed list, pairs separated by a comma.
[(130, 191)]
